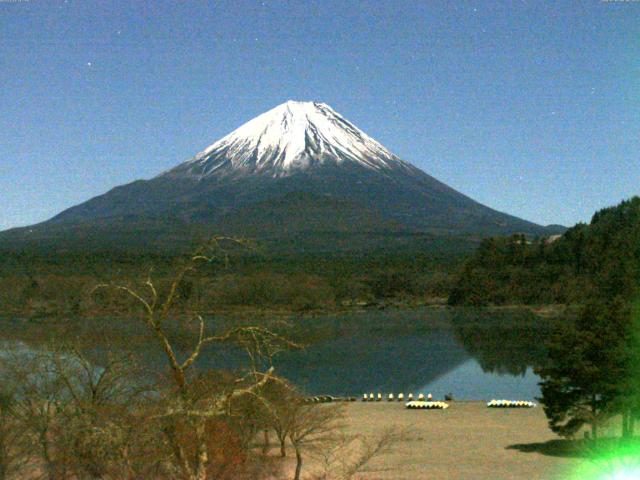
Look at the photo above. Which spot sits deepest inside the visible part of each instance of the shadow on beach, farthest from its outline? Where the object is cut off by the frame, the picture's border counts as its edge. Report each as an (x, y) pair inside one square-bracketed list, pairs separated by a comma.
[(555, 448), (580, 448)]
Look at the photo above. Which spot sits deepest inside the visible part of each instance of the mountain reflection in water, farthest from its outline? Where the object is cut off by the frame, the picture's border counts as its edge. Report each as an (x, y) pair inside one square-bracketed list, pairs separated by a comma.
[(473, 354)]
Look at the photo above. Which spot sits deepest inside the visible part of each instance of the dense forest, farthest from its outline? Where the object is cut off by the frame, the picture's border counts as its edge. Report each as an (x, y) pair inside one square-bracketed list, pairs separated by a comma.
[(556, 270), (41, 283)]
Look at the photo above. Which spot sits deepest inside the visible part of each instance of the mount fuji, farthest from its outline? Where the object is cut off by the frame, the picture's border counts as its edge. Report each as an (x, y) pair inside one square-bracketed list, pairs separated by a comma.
[(298, 170), (292, 137)]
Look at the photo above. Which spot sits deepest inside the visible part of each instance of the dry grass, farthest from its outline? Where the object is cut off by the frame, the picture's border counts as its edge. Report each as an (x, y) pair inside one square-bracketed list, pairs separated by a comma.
[(467, 441)]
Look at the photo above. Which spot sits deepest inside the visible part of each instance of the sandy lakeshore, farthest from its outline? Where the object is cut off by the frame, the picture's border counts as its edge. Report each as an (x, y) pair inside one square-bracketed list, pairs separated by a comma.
[(467, 441)]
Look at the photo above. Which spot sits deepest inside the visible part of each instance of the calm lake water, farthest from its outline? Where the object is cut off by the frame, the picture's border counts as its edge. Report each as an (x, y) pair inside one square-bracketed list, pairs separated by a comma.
[(474, 355)]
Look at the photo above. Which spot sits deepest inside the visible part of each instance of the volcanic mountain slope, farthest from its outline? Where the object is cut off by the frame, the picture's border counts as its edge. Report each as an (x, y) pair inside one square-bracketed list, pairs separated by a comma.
[(298, 168)]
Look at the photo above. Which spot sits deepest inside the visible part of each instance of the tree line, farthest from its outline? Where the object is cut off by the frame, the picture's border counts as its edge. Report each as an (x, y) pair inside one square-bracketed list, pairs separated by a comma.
[(58, 284)]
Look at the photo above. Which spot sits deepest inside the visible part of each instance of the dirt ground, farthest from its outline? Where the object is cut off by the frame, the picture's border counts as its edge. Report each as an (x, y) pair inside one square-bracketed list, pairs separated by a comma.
[(466, 441)]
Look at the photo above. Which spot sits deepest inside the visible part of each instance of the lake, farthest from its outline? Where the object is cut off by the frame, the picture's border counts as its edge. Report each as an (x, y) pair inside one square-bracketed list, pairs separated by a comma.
[(472, 354)]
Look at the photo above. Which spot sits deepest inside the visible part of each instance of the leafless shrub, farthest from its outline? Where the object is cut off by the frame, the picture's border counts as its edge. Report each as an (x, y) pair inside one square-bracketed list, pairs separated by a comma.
[(13, 437), (349, 455), (314, 427), (78, 416)]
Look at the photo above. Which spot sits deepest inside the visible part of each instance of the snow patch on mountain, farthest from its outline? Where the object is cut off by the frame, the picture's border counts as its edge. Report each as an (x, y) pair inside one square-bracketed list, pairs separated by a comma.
[(290, 137)]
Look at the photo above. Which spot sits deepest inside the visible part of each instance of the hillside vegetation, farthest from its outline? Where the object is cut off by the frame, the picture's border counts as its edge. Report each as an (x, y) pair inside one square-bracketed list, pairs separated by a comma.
[(592, 363), (514, 270), (41, 283)]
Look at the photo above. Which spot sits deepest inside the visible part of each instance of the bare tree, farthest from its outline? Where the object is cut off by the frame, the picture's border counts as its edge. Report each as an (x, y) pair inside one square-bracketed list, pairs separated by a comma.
[(349, 455), (74, 414), (190, 409), (13, 441), (41, 401), (278, 403), (101, 400), (313, 427)]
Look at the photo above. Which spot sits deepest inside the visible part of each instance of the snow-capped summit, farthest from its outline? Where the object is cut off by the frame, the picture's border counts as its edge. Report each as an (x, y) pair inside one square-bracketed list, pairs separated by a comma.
[(287, 138)]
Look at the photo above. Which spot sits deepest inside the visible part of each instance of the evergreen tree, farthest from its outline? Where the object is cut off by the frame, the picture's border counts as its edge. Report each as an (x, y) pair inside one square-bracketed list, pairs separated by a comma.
[(585, 365), (593, 367)]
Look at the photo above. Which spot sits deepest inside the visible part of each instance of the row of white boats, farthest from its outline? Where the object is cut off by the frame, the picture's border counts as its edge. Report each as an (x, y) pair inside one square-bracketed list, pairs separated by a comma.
[(510, 404), (391, 397), (422, 401), (421, 405), (427, 402)]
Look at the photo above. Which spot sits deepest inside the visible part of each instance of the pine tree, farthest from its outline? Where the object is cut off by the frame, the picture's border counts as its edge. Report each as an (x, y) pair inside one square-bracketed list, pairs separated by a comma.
[(593, 367), (582, 372)]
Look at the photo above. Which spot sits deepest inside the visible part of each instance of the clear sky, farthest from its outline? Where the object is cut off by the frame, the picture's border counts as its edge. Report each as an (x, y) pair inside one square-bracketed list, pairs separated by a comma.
[(530, 107)]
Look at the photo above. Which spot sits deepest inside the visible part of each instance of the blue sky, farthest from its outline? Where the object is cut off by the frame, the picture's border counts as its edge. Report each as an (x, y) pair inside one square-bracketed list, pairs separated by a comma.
[(530, 107)]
